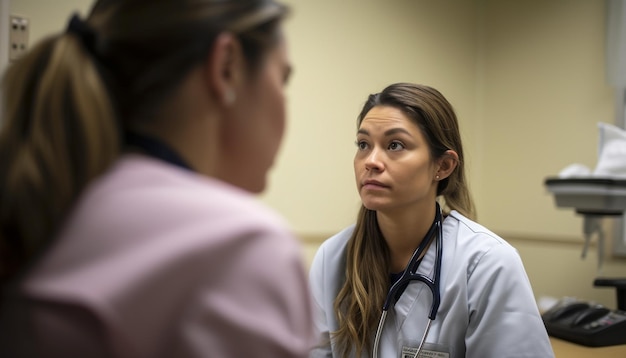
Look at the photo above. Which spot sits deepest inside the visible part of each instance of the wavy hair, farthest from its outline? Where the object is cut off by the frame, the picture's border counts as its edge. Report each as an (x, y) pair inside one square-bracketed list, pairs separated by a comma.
[(360, 299)]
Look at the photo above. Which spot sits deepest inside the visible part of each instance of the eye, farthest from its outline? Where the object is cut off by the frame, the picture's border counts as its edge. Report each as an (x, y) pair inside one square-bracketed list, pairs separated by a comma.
[(361, 144), (395, 145)]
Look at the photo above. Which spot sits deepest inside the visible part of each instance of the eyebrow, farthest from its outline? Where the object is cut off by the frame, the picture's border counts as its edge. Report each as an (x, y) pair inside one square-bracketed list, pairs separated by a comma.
[(387, 133)]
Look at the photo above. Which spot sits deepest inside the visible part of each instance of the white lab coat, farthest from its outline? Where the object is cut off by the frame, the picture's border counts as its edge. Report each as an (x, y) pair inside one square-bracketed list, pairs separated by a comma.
[(487, 304)]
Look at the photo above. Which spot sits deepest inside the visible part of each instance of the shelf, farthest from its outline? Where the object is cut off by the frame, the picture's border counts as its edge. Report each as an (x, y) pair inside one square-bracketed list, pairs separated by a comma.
[(589, 196)]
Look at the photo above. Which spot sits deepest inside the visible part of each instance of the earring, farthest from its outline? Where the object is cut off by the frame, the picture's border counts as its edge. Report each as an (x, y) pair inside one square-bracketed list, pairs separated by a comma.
[(230, 97), (437, 177)]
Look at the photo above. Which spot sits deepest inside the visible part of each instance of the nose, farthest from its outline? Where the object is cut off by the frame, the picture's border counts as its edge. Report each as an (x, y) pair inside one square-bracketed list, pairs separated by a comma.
[(373, 160)]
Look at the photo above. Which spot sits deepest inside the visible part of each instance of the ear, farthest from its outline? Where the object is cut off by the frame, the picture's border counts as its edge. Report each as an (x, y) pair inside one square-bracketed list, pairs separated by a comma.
[(446, 165), (224, 68)]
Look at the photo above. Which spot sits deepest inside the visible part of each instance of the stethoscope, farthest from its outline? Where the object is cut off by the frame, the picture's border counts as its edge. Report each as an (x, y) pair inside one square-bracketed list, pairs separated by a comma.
[(410, 274)]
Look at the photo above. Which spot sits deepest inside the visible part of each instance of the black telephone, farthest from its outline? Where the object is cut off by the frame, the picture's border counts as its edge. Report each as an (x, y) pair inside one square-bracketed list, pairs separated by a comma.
[(589, 324)]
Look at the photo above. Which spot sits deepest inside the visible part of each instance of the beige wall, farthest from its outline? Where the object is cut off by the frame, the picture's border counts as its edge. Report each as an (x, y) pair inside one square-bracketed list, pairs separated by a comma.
[(4, 34), (527, 81), (544, 90), (47, 17), (343, 51)]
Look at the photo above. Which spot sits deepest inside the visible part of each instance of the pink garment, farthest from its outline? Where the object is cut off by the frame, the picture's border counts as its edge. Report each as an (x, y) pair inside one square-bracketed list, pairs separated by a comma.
[(157, 261)]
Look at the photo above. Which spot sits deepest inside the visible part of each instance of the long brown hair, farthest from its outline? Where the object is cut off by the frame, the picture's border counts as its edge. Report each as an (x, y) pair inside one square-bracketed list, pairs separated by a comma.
[(69, 100), (360, 299)]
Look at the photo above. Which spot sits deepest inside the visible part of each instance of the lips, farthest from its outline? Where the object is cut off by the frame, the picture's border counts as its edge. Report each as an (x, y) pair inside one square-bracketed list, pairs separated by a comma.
[(374, 184)]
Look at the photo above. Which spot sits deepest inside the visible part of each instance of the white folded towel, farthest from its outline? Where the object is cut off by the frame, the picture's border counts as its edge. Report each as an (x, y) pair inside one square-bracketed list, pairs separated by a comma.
[(611, 152), (611, 156)]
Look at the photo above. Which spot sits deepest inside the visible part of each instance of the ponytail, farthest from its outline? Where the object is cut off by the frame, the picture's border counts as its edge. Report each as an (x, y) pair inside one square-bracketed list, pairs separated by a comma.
[(58, 133)]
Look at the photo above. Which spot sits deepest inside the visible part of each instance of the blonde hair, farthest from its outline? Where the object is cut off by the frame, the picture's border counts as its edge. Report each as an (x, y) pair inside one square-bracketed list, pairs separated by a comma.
[(70, 99), (359, 301)]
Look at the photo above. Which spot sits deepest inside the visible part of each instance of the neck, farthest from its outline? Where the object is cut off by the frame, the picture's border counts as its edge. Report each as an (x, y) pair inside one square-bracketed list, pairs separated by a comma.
[(188, 125), (403, 232)]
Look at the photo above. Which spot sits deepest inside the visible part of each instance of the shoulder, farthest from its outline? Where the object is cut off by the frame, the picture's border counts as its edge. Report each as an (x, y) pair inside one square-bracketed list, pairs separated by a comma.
[(468, 226), (153, 203), (209, 212), (478, 244), (153, 218), (328, 265), (332, 251), (469, 231), (161, 198), (338, 240), (155, 182)]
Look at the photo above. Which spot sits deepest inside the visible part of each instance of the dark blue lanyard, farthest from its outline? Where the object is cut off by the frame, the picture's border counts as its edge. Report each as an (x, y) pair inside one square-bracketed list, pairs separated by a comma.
[(155, 148)]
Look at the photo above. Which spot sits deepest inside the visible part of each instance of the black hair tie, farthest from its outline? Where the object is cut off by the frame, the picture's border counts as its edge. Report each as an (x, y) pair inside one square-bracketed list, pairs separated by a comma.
[(85, 33)]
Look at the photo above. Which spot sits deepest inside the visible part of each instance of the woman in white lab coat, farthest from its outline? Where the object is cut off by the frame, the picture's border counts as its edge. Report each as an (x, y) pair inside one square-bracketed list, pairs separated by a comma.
[(409, 154)]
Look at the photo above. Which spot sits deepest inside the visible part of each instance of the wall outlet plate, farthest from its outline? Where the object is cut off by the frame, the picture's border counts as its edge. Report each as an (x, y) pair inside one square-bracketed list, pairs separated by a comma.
[(18, 36)]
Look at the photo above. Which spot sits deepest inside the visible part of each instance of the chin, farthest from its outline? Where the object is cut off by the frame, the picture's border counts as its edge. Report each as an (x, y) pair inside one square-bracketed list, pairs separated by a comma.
[(372, 205), (254, 183), (256, 187), (258, 190), (374, 202), (251, 186)]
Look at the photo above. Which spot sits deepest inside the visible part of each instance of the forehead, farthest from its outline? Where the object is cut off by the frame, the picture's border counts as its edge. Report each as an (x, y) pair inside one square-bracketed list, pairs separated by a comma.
[(386, 117)]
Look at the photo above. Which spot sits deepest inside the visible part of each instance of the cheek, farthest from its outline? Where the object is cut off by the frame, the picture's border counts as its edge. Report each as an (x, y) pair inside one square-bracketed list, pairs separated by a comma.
[(270, 110), (281, 116), (275, 126), (274, 118), (275, 100), (419, 178), (358, 166)]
